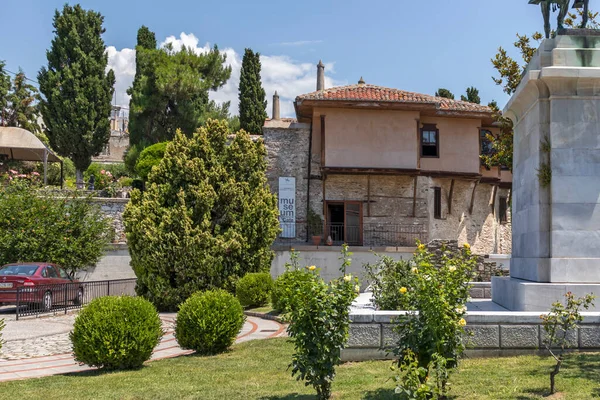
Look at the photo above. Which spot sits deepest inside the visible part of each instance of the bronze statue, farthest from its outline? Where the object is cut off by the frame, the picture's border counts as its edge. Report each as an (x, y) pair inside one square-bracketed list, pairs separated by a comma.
[(563, 8)]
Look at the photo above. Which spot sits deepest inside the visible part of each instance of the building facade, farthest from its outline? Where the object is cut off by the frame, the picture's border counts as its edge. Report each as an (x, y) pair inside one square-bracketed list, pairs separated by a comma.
[(375, 166)]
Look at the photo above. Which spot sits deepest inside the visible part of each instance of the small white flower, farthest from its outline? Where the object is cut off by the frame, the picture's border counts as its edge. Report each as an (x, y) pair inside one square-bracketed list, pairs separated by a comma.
[(348, 277), (357, 288), (414, 270), (452, 268)]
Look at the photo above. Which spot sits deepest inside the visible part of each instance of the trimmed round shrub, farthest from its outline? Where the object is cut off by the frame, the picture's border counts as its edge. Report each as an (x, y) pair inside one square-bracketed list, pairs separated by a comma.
[(284, 286), (254, 289), (209, 322), (116, 332)]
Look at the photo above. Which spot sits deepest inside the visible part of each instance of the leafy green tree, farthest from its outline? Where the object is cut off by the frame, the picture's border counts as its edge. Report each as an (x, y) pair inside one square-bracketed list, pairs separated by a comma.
[(172, 91), (21, 107), (441, 92), (472, 96), (77, 89), (4, 88), (149, 157), (251, 94), (205, 219), (34, 226)]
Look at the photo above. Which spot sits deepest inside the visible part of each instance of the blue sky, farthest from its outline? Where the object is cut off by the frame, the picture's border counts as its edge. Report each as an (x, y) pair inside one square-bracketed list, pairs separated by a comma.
[(411, 45)]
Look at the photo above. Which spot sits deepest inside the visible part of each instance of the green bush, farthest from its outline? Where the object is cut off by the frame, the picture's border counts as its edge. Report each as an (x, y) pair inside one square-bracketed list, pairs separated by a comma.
[(319, 322), (116, 332), (102, 180), (209, 322), (254, 289), (126, 182), (38, 226), (148, 158), (205, 218), (285, 284), (386, 277)]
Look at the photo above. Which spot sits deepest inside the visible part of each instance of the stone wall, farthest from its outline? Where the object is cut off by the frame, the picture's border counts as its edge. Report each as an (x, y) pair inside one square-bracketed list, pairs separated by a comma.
[(113, 209), (493, 333)]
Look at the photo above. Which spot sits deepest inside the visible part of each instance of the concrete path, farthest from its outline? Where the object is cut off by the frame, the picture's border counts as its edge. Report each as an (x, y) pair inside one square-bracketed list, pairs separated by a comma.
[(29, 353)]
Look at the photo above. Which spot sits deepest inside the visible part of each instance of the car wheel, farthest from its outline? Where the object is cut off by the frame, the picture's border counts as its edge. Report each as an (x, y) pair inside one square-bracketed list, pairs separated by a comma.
[(79, 299), (47, 301)]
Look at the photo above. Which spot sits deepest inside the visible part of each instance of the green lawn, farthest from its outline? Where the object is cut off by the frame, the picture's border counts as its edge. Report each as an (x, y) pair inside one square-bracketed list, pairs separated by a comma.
[(257, 370)]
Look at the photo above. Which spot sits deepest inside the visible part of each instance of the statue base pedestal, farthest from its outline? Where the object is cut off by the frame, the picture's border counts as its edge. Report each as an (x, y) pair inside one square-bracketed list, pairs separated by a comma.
[(556, 176)]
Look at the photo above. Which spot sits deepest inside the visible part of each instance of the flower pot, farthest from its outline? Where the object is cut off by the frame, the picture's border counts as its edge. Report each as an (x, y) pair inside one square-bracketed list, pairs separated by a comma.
[(329, 241), (316, 239)]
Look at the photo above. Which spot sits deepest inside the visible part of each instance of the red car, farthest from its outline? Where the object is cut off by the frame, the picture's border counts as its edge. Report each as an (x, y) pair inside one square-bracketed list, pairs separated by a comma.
[(45, 284)]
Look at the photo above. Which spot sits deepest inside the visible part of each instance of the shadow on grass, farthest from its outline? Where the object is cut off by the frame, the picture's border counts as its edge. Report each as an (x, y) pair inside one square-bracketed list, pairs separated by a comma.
[(292, 396), (380, 394)]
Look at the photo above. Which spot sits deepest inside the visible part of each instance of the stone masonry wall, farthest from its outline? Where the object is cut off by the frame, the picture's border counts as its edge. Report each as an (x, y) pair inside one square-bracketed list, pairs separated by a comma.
[(113, 209), (371, 334)]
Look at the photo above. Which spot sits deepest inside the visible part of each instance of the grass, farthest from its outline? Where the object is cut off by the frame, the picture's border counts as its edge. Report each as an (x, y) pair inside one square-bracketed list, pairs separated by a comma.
[(258, 370), (268, 309)]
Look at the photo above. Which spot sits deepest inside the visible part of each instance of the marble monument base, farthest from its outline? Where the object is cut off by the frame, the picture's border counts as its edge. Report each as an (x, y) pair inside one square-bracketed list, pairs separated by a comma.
[(521, 295)]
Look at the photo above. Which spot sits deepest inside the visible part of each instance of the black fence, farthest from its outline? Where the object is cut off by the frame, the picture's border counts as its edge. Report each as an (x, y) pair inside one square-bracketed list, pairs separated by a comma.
[(58, 298), (369, 235)]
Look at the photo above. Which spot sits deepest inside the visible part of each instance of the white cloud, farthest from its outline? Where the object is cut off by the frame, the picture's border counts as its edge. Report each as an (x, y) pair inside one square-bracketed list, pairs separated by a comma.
[(279, 72)]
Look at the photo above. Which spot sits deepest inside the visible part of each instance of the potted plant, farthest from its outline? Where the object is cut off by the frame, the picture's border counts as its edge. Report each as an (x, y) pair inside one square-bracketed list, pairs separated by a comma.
[(315, 227)]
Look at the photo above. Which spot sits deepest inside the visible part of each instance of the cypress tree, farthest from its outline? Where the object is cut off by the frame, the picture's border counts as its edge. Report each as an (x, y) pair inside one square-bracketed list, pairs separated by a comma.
[(252, 95), (76, 87)]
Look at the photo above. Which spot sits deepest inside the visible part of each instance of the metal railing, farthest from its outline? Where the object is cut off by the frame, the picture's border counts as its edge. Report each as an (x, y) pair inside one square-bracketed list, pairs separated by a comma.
[(369, 235), (55, 298)]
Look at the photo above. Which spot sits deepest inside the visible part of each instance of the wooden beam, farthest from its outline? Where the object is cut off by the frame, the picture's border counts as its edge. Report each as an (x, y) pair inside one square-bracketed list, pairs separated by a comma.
[(414, 210), (450, 197), (473, 196), (494, 191), (368, 195), (418, 143)]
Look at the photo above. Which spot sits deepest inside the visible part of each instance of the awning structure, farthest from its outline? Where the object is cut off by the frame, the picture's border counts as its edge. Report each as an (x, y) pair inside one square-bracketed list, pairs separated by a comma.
[(21, 145)]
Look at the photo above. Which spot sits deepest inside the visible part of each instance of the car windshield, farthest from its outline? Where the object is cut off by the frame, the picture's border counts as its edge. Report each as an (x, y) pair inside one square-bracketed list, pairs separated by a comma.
[(21, 270)]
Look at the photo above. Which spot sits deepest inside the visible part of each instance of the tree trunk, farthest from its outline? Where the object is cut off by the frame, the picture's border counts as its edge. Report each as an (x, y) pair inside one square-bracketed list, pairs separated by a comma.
[(79, 178), (553, 374)]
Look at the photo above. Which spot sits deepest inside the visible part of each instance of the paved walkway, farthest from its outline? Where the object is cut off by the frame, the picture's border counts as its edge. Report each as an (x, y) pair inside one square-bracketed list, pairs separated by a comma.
[(31, 355)]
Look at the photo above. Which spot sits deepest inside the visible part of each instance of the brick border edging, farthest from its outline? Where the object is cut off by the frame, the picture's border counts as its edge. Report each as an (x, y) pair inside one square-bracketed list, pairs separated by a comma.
[(275, 318)]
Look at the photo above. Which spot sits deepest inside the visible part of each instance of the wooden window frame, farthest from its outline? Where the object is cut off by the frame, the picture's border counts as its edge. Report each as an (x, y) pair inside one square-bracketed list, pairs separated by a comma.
[(430, 128), (437, 202), (481, 148)]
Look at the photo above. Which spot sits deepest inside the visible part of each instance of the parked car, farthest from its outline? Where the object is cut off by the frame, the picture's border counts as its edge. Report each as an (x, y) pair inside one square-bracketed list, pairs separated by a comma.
[(43, 285)]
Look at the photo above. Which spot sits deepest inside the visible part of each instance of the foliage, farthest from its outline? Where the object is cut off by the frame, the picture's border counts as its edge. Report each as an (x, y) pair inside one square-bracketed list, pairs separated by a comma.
[(319, 321), (315, 223), (433, 335), (472, 95), (77, 89), (562, 319), (35, 226), (20, 106), (116, 332), (148, 158), (441, 92), (502, 143), (205, 219), (4, 89), (105, 175), (251, 94), (209, 322), (286, 284), (170, 90), (254, 289), (386, 277)]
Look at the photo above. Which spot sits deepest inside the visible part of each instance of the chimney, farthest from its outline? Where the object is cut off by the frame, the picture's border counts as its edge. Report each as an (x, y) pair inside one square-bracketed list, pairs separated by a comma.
[(275, 106), (320, 76)]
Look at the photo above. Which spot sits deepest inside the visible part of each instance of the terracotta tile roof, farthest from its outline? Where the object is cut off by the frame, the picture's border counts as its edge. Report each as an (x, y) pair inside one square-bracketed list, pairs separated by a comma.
[(373, 93)]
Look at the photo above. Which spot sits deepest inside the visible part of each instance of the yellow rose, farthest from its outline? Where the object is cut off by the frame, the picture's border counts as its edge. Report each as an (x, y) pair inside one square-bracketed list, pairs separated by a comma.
[(312, 268), (421, 246), (452, 268), (414, 270), (467, 246), (348, 277), (462, 322), (403, 290)]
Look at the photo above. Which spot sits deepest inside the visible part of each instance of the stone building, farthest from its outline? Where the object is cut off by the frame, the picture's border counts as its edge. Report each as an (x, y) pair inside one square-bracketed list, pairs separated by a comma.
[(382, 167), (119, 137)]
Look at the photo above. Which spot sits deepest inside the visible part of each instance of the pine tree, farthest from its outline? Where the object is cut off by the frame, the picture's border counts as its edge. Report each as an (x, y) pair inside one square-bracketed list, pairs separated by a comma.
[(21, 105), (472, 96), (441, 92), (76, 87), (252, 95), (4, 88), (205, 219)]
